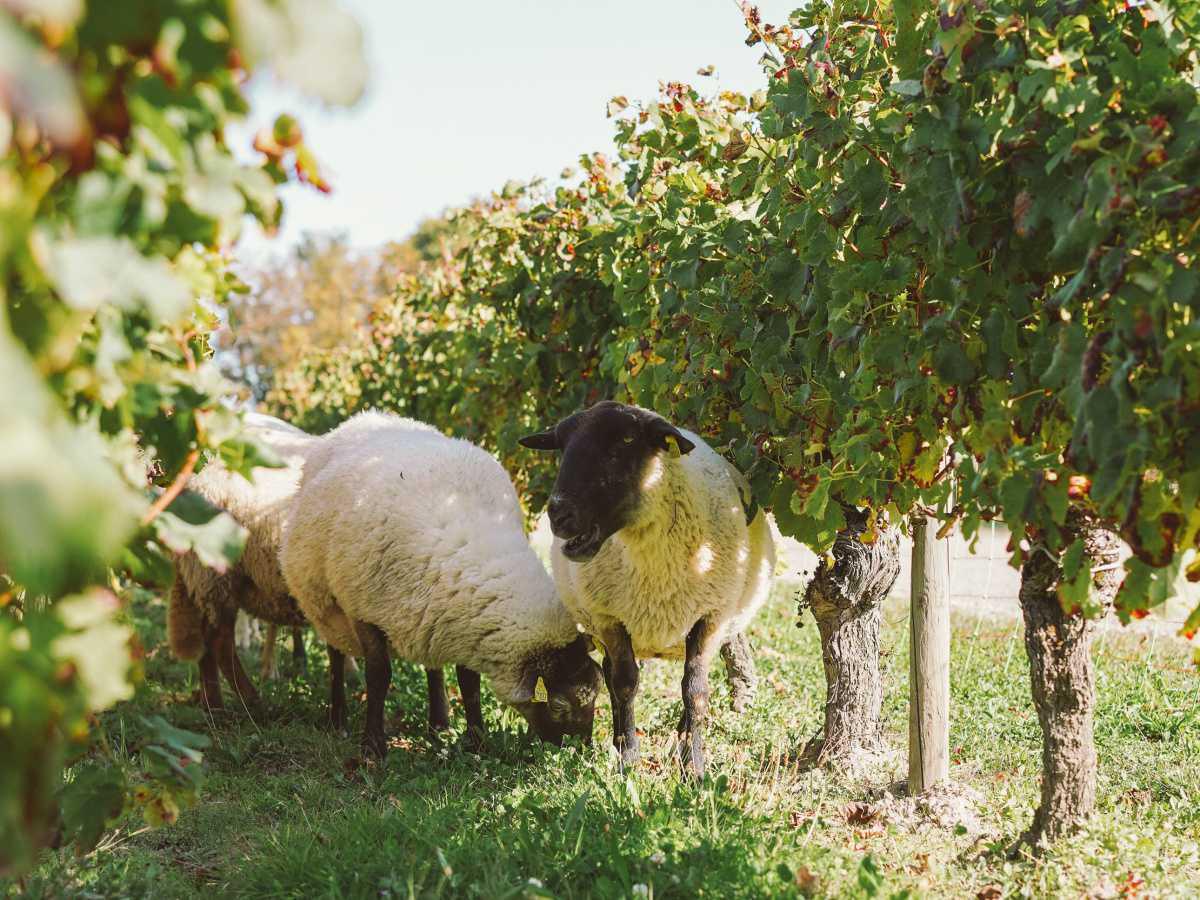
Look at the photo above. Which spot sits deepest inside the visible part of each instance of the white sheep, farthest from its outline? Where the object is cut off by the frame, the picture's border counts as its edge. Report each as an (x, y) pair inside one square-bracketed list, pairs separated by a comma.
[(402, 537), (657, 553), (204, 603)]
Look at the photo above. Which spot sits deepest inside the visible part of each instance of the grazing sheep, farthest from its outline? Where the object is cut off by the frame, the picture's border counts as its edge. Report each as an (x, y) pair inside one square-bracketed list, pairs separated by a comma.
[(657, 553), (402, 537), (204, 603)]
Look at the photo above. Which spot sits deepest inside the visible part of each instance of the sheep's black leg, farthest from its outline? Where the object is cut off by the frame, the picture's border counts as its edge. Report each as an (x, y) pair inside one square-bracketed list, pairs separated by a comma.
[(695, 700), (468, 686), (266, 666), (229, 662), (439, 707), (621, 675), (337, 688), (210, 681), (299, 655), (379, 678)]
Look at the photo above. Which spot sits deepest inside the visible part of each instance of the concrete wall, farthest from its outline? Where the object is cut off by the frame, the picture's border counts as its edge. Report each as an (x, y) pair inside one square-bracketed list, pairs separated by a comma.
[(980, 580)]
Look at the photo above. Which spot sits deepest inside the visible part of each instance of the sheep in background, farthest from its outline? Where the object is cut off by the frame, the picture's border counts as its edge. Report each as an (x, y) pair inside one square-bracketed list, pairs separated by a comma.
[(248, 633), (657, 553), (403, 540), (204, 603)]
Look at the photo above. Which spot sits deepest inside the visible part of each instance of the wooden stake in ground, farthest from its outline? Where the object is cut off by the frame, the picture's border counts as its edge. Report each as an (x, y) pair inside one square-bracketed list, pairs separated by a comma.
[(929, 661), (846, 599)]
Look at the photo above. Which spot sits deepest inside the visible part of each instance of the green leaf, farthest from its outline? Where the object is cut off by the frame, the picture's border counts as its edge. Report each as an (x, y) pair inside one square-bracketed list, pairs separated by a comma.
[(96, 645), (191, 523), (89, 272), (1072, 558), (313, 44), (163, 732), (90, 801), (906, 87), (1015, 492), (786, 519), (952, 365), (870, 879)]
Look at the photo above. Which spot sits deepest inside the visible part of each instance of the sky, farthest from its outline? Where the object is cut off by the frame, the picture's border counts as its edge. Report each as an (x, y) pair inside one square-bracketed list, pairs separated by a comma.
[(464, 96)]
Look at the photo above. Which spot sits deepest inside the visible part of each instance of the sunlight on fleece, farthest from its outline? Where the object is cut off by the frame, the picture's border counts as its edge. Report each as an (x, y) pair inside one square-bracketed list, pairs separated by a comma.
[(654, 473), (702, 562)]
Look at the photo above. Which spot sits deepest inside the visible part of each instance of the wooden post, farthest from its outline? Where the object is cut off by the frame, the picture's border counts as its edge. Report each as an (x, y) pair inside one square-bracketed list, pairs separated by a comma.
[(929, 666)]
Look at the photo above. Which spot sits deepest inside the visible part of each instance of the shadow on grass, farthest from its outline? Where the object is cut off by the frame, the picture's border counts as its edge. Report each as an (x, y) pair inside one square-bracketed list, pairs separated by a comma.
[(499, 828)]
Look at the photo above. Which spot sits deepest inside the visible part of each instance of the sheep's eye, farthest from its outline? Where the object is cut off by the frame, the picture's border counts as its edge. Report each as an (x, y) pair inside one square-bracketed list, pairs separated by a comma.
[(628, 439)]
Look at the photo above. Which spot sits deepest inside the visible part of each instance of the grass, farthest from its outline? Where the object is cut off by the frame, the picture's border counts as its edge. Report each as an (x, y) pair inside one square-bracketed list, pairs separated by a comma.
[(288, 810)]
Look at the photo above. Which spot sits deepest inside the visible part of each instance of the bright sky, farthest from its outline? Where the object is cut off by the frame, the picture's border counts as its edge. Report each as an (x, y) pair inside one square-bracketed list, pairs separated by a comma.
[(465, 95)]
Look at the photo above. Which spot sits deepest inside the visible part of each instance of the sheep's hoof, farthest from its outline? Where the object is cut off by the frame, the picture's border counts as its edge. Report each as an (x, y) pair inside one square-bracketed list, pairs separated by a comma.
[(474, 740), (201, 699), (691, 759), (626, 756)]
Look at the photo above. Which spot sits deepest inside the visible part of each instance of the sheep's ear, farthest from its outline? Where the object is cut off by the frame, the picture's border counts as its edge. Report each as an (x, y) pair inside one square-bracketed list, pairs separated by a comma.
[(665, 436), (528, 686), (543, 440)]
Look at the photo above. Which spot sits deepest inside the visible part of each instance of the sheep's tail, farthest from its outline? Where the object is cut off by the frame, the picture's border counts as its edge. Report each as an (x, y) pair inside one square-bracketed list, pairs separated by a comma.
[(185, 622)]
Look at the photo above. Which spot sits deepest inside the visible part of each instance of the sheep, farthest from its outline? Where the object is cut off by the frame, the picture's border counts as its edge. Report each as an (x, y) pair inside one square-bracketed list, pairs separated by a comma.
[(402, 537), (204, 603), (658, 552)]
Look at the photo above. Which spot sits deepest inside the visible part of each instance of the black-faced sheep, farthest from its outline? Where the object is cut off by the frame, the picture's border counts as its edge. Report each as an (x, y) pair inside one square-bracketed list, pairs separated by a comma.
[(403, 540), (656, 553)]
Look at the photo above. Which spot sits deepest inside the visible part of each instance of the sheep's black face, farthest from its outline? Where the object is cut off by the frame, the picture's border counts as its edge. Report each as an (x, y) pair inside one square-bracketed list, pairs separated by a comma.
[(571, 680), (607, 451)]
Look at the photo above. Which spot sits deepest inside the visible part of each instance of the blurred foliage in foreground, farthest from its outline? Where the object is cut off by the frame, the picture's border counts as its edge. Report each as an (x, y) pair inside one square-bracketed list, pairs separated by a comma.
[(118, 194)]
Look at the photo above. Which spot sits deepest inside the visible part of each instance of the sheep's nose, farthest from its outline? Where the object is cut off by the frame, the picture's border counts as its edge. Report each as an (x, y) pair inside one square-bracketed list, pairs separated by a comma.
[(563, 520)]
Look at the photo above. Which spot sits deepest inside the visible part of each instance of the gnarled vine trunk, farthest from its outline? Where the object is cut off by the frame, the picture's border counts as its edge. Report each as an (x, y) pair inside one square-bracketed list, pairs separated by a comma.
[(846, 600), (1063, 681), (741, 671)]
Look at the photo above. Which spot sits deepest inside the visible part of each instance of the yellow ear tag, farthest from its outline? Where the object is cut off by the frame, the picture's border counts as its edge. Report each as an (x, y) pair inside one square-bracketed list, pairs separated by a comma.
[(673, 446), (540, 694)]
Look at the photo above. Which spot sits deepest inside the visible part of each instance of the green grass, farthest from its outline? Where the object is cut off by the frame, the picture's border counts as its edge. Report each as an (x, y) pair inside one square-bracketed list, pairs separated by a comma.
[(288, 810)]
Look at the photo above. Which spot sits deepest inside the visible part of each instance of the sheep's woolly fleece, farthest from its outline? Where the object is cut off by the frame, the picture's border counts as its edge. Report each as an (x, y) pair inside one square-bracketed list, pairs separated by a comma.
[(255, 583), (689, 555), (421, 535)]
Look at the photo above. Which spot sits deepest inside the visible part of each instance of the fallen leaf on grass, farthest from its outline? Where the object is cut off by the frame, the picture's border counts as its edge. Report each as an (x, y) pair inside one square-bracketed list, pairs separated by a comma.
[(920, 865), (796, 818), (860, 814), (807, 882), (989, 892), (1132, 885), (1137, 797)]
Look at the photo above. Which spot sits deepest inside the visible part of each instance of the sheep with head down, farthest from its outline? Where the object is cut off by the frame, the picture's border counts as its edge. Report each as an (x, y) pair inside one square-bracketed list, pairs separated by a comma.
[(401, 540), (658, 552)]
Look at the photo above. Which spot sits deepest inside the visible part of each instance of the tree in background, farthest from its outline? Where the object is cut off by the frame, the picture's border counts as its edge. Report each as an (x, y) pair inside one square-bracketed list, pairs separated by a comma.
[(118, 200), (317, 298)]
